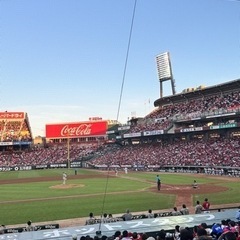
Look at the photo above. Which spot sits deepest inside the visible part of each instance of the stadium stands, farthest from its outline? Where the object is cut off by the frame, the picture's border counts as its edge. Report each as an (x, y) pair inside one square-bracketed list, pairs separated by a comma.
[(198, 130), (197, 152), (56, 153)]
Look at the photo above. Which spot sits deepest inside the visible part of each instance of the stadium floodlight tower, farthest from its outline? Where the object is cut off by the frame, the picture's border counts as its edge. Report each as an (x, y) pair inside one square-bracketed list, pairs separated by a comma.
[(165, 71)]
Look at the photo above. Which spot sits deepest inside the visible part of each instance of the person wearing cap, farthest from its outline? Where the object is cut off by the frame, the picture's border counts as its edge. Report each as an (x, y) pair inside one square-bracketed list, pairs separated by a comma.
[(206, 205), (29, 226), (64, 176)]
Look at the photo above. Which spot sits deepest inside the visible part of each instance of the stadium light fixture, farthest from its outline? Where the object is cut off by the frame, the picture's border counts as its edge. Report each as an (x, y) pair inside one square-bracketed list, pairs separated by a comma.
[(165, 71)]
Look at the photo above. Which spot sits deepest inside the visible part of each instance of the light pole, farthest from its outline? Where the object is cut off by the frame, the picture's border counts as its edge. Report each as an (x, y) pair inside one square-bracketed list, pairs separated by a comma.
[(164, 69), (68, 152)]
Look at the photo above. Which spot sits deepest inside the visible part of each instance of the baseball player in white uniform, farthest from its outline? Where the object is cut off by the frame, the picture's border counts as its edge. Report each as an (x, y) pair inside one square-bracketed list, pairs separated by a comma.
[(64, 178)]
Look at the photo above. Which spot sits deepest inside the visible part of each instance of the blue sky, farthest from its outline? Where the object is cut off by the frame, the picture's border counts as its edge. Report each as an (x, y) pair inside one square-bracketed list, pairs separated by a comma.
[(63, 60)]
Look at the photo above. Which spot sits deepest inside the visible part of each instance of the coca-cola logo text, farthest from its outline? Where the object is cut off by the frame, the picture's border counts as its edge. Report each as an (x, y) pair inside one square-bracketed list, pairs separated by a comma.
[(82, 129)]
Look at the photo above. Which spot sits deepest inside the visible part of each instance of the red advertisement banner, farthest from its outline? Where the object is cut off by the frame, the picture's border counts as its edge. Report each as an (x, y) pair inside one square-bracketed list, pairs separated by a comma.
[(11, 115), (80, 129)]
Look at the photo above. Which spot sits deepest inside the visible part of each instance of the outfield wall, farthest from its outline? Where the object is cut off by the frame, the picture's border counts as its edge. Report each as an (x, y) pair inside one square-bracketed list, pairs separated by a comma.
[(227, 171)]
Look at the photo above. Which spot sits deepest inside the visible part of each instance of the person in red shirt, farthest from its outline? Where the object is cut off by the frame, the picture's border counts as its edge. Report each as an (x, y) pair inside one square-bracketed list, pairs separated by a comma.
[(206, 205)]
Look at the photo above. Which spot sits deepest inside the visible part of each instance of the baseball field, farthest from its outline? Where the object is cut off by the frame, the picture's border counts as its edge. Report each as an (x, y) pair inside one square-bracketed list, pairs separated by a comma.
[(40, 196)]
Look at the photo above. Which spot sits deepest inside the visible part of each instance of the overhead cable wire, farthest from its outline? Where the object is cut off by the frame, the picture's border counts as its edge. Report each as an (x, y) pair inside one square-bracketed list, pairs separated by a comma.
[(126, 60), (119, 104)]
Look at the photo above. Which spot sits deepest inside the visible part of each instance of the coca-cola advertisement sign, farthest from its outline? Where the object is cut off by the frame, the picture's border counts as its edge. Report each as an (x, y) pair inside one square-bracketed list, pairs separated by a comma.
[(80, 129)]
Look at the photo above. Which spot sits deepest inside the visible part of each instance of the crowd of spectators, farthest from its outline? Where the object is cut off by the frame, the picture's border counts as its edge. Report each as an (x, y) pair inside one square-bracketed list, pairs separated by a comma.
[(197, 152), (58, 153), (162, 118), (225, 230), (199, 208), (14, 131)]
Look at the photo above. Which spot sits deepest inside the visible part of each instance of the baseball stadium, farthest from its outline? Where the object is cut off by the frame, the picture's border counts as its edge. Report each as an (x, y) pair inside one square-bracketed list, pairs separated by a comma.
[(87, 178)]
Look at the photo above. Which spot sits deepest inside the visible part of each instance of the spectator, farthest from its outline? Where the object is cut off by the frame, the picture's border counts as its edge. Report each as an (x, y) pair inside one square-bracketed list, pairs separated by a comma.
[(29, 227), (125, 235), (224, 225), (175, 212), (117, 235), (111, 218), (216, 230), (151, 238), (195, 229), (161, 235), (201, 232), (177, 232), (91, 219), (2, 228), (184, 210), (150, 214), (198, 208), (207, 229), (206, 205), (136, 236), (144, 236), (232, 226), (127, 216), (185, 234), (105, 218), (228, 236)]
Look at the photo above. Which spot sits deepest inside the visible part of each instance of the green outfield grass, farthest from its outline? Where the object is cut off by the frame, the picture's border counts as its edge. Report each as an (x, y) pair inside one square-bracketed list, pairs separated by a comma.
[(39, 202)]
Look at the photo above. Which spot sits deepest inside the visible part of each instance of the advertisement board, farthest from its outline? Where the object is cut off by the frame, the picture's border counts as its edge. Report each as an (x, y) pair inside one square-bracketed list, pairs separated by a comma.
[(73, 130), (12, 115)]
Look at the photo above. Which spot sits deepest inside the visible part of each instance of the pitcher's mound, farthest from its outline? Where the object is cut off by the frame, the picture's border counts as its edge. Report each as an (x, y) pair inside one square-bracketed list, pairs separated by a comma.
[(67, 186)]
